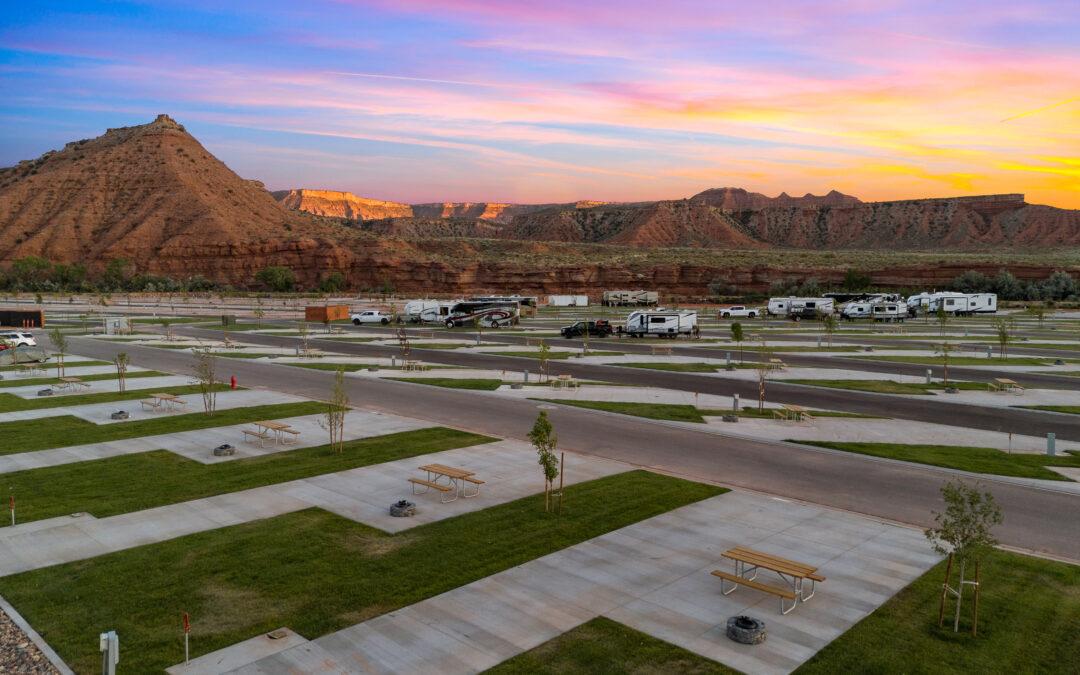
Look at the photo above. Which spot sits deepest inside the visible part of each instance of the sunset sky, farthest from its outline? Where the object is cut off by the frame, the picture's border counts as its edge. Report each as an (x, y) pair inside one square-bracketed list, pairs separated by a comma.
[(558, 100)]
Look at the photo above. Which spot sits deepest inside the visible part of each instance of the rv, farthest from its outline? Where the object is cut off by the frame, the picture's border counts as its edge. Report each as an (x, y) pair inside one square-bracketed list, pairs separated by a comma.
[(878, 309), (856, 310), (488, 314), (427, 311), (918, 303), (800, 308), (982, 303), (522, 300), (889, 312), (568, 301), (660, 323), (630, 298)]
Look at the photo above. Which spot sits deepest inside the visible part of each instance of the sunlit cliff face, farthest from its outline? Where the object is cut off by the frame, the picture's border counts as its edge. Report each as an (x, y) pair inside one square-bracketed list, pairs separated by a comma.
[(482, 101)]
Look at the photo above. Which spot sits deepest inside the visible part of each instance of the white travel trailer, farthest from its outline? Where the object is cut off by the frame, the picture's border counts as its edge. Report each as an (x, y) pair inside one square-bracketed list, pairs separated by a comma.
[(427, 311), (982, 303), (889, 312), (487, 314), (876, 308), (917, 304), (660, 323), (800, 308), (568, 301), (957, 304), (857, 310), (630, 298)]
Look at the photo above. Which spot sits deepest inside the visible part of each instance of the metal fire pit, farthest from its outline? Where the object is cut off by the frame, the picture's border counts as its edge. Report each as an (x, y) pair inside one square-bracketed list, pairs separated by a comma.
[(224, 450), (120, 415), (45, 392), (403, 509), (746, 629)]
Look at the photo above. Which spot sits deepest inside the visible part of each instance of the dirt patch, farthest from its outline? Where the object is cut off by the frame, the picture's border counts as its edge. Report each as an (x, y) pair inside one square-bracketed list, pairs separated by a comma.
[(227, 609), (374, 545)]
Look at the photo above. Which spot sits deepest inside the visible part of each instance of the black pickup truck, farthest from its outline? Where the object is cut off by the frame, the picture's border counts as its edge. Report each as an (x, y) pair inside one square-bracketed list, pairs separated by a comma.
[(597, 328)]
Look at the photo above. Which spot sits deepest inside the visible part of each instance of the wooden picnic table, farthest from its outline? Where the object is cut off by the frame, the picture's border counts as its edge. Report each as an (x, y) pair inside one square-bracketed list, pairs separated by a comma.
[(564, 380), (795, 413), (414, 365), (279, 429), (167, 399), (749, 562), (31, 367), (457, 481), (1006, 384), (71, 383)]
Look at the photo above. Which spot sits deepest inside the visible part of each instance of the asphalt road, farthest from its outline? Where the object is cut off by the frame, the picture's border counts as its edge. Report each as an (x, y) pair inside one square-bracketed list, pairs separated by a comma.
[(1043, 520), (917, 408)]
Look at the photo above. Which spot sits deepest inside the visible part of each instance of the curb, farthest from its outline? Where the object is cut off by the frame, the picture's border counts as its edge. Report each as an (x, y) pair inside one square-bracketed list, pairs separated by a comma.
[(19, 621)]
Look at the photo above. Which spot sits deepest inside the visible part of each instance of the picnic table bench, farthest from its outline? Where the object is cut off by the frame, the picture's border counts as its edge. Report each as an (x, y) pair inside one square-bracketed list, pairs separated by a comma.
[(71, 383), (457, 481), (1004, 384), (268, 429), (777, 364), (414, 365), (660, 350), (31, 367), (337, 330), (425, 333), (794, 413), (162, 401), (259, 434), (309, 353), (749, 562), (565, 381)]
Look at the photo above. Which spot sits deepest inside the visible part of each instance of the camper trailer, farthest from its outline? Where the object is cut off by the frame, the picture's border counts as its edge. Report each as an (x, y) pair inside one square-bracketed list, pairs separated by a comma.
[(878, 308), (660, 323), (568, 301), (630, 298), (427, 311), (800, 308), (982, 303), (889, 312), (853, 311), (956, 304), (487, 314), (917, 304)]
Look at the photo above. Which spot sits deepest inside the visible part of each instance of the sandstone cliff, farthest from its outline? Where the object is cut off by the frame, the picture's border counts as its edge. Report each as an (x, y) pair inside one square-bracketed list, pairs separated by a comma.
[(333, 204)]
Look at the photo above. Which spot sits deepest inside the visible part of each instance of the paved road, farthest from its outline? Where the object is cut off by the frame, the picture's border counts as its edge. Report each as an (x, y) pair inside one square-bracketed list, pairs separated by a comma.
[(1039, 519), (918, 408)]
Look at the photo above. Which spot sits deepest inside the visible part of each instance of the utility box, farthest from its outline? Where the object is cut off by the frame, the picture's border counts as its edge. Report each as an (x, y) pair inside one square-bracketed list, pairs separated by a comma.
[(326, 313), (117, 325)]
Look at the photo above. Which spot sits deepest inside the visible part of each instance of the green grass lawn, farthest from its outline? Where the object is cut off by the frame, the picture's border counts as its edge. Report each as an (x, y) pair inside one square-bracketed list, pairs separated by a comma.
[(353, 367), (247, 355), (553, 355), (160, 320), (652, 411), (312, 571), (676, 367), (11, 402), (961, 360), (453, 382), (52, 365), (65, 430), (889, 386), (1070, 409), (46, 381), (107, 487), (606, 647), (978, 460), (788, 348), (1029, 622)]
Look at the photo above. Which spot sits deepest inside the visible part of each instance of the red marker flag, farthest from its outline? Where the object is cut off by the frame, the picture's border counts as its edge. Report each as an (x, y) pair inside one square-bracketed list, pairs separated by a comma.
[(187, 623)]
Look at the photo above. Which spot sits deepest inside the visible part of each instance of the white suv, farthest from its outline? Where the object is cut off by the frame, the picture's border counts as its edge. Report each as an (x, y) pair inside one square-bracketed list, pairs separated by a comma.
[(372, 316), (19, 339)]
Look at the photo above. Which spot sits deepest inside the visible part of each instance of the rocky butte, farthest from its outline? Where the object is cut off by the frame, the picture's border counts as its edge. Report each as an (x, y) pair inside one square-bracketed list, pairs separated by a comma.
[(154, 195)]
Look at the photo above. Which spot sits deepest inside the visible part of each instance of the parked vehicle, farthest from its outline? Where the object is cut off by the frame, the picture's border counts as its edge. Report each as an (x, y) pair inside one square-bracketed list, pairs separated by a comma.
[(488, 314), (853, 311), (426, 311), (568, 301), (797, 309), (660, 323), (18, 338), (734, 311), (372, 316), (630, 298), (10, 355), (889, 312), (601, 328), (876, 309), (982, 303), (523, 301)]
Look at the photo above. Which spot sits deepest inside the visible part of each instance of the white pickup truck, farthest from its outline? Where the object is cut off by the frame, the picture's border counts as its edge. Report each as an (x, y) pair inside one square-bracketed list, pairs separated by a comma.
[(737, 311)]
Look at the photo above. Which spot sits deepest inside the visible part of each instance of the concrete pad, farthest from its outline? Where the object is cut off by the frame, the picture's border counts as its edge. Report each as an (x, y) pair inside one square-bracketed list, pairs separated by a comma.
[(198, 444), (652, 577), (239, 654), (103, 386)]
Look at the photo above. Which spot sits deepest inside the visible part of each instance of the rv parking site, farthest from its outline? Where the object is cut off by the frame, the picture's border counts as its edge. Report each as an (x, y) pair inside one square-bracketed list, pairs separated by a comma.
[(283, 553)]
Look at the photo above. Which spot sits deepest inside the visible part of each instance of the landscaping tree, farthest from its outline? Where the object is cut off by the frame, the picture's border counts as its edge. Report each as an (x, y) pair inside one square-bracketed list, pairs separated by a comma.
[(1037, 312), (166, 323), (302, 329), (763, 366), (942, 318), (830, 324), (545, 441), (543, 355), (963, 532), (60, 344), (737, 337), (336, 410), (1003, 329), (944, 348), (259, 313), (205, 371), (121, 362)]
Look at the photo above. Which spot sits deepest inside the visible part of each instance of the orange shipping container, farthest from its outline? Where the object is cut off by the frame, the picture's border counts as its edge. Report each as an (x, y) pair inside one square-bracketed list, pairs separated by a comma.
[(322, 314)]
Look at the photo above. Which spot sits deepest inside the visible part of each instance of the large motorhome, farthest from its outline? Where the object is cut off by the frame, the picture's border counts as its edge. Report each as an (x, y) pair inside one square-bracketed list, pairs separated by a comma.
[(660, 323), (488, 314), (954, 303), (630, 298), (800, 308)]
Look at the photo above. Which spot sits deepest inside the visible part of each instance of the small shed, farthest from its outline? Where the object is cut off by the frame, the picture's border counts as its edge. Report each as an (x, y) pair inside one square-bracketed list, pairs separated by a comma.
[(326, 313)]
